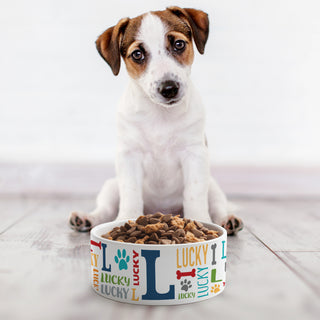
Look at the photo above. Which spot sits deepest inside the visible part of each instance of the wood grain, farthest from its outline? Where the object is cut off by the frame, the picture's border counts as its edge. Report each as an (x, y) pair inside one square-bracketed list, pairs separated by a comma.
[(284, 225), (14, 209), (306, 264)]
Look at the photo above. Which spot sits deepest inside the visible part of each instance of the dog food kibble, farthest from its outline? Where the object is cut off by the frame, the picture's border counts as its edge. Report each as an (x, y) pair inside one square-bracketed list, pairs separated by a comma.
[(161, 228)]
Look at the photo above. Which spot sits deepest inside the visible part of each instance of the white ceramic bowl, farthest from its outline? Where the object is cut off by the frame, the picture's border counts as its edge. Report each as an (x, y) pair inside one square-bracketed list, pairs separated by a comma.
[(157, 274)]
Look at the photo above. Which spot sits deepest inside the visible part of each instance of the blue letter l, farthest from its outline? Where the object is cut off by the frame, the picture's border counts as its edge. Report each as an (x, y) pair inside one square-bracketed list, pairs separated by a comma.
[(152, 294)]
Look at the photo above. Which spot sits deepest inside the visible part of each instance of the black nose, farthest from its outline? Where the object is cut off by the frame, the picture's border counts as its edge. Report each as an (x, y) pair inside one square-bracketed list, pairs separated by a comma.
[(169, 89)]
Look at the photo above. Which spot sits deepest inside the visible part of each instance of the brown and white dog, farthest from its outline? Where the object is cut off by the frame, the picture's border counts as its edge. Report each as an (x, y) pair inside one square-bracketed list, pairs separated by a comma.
[(162, 158)]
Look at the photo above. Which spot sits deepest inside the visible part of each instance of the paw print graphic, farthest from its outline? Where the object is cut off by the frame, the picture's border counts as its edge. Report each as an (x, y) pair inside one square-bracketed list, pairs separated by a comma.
[(185, 285), (216, 288), (122, 260)]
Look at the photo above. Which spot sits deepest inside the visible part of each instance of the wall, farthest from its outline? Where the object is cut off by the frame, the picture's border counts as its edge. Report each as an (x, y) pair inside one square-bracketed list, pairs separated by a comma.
[(259, 79)]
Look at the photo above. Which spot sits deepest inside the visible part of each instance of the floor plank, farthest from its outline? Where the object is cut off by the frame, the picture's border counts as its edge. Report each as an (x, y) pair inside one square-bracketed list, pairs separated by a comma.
[(305, 264), (284, 225), (14, 209), (43, 261)]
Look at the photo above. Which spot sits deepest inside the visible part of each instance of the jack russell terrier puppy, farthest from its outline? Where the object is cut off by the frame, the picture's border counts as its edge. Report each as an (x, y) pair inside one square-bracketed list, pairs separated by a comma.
[(162, 159)]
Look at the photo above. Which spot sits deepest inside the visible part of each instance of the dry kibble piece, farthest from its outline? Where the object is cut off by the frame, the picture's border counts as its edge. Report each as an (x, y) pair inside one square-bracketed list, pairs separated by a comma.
[(190, 237), (152, 242), (115, 230), (166, 218), (165, 241), (150, 228), (179, 233), (213, 232), (204, 229), (176, 240), (131, 229), (157, 215), (137, 233), (127, 226), (132, 239), (176, 221), (121, 238), (198, 224), (154, 220), (113, 234), (197, 232), (160, 232), (142, 220), (165, 226), (190, 226), (143, 240), (166, 234), (154, 237)]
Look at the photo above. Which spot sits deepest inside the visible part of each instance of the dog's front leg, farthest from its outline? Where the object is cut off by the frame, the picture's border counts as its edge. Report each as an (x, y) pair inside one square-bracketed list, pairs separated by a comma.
[(195, 167), (129, 171)]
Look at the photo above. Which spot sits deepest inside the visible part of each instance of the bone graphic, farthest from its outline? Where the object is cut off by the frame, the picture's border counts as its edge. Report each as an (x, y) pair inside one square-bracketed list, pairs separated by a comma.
[(191, 273), (98, 244)]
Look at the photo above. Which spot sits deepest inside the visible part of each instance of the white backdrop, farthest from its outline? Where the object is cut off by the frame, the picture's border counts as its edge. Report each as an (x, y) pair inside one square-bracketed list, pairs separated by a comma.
[(259, 78)]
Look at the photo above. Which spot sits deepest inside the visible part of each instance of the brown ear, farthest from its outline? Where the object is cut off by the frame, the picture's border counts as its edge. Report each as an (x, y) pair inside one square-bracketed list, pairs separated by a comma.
[(199, 23), (108, 45)]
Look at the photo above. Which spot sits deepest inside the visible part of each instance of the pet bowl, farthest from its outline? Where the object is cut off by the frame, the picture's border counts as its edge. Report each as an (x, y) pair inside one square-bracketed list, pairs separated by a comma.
[(157, 274)]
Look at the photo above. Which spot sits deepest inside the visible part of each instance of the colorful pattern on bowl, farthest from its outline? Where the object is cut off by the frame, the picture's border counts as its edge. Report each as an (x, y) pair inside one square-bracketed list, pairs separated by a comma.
[(157, 274)]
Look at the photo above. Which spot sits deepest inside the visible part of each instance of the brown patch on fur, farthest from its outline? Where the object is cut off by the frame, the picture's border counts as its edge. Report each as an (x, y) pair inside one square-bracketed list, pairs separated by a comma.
[(185, 57), (199, 23), (180, 30), (134, 69), (130, 35), (108, 44), (114, 43), (129, 44), (174, 23)]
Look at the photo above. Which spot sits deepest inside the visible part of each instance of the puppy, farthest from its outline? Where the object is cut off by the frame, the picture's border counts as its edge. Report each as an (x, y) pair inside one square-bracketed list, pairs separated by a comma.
[(162, 159)]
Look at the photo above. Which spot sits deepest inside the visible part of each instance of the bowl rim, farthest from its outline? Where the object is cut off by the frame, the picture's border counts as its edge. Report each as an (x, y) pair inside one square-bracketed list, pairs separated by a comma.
[(96, 232)]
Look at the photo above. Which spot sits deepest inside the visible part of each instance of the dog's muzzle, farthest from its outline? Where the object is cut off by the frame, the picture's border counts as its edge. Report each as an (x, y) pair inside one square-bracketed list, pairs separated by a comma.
[(169, 89)]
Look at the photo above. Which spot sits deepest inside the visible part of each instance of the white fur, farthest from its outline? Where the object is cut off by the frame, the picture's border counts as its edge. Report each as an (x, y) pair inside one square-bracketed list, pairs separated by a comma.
[(162, 161), (163, 66)]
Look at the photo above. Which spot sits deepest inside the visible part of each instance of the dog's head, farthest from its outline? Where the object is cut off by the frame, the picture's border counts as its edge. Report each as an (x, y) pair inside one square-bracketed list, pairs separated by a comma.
[(157, 49)]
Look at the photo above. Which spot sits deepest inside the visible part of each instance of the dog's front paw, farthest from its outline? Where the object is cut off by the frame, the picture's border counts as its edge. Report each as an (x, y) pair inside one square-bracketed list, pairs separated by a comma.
[(232, 224), (79, 221)]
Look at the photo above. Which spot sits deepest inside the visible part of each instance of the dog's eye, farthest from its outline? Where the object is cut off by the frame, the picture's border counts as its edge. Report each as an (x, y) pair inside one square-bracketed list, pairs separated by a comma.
[(137, 55), (179, 45)]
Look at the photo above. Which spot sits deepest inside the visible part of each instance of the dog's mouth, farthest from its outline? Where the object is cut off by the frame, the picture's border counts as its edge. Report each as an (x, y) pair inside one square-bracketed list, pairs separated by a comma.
[(167, 103), (173, 101)]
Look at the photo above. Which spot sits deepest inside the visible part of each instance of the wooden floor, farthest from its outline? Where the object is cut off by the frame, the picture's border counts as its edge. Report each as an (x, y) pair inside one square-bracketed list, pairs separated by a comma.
[(273, 269)]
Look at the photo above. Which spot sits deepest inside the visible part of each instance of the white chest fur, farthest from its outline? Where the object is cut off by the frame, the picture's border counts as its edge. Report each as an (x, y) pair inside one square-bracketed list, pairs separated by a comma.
[(161, 137)]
